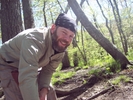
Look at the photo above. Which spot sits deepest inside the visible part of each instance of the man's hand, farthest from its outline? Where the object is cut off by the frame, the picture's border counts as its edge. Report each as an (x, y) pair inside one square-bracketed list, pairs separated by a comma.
[(43, 94)]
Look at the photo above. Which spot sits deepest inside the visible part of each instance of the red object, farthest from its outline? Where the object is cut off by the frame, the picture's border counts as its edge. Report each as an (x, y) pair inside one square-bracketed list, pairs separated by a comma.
[(15, 75)]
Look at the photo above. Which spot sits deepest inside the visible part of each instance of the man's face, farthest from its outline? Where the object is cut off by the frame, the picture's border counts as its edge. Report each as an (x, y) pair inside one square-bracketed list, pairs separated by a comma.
[(61, 38)]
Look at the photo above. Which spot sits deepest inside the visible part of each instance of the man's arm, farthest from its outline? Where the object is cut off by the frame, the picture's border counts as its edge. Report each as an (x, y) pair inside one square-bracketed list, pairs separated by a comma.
[(28, 68), (44, 77)]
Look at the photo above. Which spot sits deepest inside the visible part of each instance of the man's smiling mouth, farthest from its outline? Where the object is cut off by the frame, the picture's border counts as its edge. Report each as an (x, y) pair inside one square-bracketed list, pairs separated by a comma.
[(63, 43)]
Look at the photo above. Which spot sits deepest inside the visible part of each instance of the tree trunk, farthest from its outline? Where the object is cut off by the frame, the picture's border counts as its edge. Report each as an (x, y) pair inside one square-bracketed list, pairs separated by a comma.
[(28, 15), (109, 29), (65, 61), (60, 6), (120, 29), (119, 25), (82, 41), (44, 13), (11, 22), (104, 42)]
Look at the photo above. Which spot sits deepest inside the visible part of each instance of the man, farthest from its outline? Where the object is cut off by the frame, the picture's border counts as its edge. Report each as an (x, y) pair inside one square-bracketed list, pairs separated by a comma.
[(27, 52)]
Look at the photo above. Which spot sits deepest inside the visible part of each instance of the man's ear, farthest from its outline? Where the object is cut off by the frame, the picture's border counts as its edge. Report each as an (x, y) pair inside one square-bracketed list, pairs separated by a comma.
[(53, 28)]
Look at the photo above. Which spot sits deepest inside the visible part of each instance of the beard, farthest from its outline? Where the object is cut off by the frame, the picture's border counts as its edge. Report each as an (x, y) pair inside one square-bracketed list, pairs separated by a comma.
[(55, 43)]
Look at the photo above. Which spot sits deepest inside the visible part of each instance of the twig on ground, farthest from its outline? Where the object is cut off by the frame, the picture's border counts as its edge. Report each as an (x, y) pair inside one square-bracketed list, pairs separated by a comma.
[(102, 92)]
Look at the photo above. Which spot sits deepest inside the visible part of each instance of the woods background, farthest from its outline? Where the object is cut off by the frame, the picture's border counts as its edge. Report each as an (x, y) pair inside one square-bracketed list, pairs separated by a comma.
[(104, 33)]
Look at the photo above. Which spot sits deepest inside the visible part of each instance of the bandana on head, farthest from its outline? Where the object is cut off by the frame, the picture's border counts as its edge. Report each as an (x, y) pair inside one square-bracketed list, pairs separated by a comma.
[(64, 21)]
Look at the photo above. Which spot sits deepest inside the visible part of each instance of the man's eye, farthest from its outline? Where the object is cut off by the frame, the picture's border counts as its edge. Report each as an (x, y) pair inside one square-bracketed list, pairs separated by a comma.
[(71, 37), (64, 33)]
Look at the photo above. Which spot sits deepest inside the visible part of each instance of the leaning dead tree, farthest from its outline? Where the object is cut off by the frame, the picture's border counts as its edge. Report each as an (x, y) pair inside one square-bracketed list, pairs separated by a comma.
[(97, 35)]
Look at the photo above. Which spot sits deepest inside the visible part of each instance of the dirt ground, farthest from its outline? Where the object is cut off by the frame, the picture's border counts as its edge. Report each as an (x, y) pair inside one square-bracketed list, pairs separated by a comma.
[(100, 90), (77, 89)]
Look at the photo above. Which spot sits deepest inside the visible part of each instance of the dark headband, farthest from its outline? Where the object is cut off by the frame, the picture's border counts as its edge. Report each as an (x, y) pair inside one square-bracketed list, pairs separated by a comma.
[(64, 21)]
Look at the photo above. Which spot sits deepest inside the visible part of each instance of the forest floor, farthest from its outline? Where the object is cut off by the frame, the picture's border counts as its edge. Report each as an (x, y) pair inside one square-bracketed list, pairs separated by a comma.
[(84, 87)]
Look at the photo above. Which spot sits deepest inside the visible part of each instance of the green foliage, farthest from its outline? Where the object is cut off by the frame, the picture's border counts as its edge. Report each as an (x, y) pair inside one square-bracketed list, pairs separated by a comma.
[(94, 72), (119, 79), (88, 48), (95, 54), (50, 8), (110, 67), (89, 52), (71, 51), (113, 66), (59, 77), (130, 54)]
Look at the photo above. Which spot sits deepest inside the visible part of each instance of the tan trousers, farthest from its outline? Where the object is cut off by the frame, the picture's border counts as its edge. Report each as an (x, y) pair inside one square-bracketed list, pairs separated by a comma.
[(11, 89)]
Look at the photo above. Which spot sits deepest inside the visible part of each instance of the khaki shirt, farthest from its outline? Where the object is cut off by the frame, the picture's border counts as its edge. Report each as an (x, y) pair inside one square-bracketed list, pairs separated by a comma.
[(28, 51)]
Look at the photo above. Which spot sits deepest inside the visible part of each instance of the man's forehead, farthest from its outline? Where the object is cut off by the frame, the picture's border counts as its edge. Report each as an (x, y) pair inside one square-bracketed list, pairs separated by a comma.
[(67, 30)]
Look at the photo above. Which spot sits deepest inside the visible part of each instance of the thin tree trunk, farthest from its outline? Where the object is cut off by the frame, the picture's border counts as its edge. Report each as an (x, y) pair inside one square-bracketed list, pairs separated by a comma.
[(119, 25), (28, 14), (82, 40), (120, 29), (104, 42), (44, 14), (51, 16), (94, 17), (110, 31), (65, 61), (60, 6)]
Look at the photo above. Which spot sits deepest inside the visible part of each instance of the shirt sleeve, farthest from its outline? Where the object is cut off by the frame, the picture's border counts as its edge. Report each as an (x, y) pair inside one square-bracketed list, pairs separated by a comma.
[(46, 73), (28, 68)]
